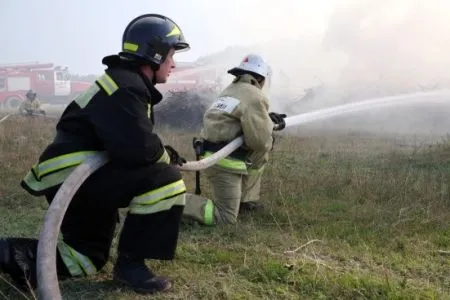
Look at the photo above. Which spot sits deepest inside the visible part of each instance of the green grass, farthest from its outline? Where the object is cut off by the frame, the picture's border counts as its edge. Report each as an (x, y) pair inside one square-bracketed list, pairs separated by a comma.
[(347, 217)]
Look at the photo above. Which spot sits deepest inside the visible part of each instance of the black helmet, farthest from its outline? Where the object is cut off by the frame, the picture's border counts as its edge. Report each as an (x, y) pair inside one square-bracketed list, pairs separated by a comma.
[(150, 37), (30, 94)]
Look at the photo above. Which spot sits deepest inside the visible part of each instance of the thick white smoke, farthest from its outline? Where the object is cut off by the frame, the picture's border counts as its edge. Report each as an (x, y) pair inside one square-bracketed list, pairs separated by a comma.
[(366, 49)]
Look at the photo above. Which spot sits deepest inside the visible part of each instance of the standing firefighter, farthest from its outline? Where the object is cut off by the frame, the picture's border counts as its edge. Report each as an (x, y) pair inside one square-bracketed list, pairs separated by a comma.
[(241, 109), (114, 115), (31, 106)]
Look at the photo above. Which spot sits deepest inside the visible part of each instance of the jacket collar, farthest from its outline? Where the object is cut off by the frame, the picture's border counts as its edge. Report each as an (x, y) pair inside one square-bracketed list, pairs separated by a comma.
[(247, 78), (132, 77)]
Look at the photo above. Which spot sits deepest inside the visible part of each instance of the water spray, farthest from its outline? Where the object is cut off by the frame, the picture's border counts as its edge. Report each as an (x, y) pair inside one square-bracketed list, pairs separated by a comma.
[(48, 286), (436, 97), (4, 118)]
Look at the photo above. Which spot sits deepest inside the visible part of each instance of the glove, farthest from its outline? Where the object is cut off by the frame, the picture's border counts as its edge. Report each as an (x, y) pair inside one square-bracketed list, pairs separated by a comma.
[(175, 158), (278, 120)]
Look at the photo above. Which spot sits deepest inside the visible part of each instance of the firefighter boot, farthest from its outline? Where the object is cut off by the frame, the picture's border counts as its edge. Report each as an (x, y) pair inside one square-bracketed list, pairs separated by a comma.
[(4, 256), (18, 259), (136, 275), (250, 206)]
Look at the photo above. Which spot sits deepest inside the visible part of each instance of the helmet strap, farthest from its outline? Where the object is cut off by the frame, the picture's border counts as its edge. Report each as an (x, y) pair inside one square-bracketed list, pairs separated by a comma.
[(154, 68)]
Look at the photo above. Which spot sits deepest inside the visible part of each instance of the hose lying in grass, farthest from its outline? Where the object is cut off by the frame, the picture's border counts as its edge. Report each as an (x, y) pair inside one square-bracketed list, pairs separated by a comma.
[(47, 278), (48, 285)]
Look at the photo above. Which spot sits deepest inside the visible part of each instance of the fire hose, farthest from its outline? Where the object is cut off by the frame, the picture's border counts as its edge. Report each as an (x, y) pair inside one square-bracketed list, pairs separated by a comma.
[(47, 278), (48, 286)]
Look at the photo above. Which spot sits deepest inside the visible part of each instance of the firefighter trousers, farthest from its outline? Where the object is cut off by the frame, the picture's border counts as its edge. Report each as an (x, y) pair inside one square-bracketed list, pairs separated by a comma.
[(228, 191), (155, 196)]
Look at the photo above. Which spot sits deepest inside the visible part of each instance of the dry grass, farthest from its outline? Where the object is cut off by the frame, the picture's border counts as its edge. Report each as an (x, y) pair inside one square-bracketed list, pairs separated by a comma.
[(347, 217)]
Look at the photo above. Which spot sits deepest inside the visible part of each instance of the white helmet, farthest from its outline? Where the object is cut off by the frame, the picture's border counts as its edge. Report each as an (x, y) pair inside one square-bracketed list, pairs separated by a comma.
[(252, 63)]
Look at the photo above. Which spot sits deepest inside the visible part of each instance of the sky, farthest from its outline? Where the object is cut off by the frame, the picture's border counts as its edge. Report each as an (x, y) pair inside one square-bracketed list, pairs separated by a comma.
[(356, 49), (345, 42), (79, 33)]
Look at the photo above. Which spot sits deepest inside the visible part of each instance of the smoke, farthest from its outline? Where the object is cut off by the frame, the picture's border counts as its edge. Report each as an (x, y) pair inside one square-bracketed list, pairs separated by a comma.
[(323, 53), (390, 47), (367, 49), (396, 44)]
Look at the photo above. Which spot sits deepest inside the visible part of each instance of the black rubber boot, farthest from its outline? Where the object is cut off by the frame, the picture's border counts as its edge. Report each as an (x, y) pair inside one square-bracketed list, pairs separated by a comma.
[(4, 256), (250, 206), (137, 276), (18, 260)]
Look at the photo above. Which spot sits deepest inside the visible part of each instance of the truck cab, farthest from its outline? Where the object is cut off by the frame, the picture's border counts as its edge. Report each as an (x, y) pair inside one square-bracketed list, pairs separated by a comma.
[(49, 82)]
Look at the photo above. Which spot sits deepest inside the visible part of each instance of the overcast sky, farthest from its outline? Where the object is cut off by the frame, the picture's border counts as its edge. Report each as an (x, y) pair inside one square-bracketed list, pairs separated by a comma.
[(79, 33), (330, 39)]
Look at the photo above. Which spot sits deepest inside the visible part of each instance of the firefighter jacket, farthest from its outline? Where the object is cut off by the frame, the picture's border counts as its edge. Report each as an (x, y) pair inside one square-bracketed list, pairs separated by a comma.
[(114, 115), (241, 109), (31, 105)]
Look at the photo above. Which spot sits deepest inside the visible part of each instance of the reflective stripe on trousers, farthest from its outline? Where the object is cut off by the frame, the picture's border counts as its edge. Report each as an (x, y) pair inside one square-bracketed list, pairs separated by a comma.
[(209, 212), (77, 263), (160, 199)]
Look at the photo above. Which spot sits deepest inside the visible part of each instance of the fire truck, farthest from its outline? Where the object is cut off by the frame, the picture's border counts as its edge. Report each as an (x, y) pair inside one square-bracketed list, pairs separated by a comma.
[(51, 83), (193, 76)]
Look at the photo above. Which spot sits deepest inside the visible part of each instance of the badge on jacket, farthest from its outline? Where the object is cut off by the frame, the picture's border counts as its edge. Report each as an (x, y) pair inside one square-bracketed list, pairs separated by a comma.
[(226, 104)]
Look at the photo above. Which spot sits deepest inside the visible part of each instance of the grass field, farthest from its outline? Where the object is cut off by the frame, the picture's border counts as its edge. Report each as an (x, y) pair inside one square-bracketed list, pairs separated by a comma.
[(347, 217)]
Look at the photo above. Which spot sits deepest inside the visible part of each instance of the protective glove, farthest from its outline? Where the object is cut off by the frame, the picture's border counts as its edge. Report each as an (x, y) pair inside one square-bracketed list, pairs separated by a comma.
[(278, 120), (175, 158)]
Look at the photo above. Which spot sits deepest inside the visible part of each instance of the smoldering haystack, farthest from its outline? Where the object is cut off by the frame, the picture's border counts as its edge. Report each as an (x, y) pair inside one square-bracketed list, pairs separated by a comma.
[(184, 110)]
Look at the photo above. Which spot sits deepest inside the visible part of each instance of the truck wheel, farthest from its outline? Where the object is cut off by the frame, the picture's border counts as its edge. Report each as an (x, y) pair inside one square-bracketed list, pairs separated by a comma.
[(12, 103)]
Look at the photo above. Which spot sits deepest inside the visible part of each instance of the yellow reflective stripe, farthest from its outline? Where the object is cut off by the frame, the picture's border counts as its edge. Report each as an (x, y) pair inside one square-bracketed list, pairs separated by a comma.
[(159, 194), (149, 110), (108, 84), (174, 32), (130, 47), (32, 105), (158, 206), (229, 163), (75, 261), (72, 266), (57, 168), (255, 171), (164, 158), (209, 212), (85, 263), (60, 162), (84, 98), (232, 164), (48, 181)]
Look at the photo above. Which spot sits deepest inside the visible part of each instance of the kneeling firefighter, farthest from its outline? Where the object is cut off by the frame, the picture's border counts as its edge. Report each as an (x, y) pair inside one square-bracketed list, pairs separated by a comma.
[(113, 115), (31, 106), (241, 109)]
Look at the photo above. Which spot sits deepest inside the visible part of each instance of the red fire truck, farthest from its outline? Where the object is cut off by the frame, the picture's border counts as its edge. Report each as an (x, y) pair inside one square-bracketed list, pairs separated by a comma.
[(51, 83), (192, 75)]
